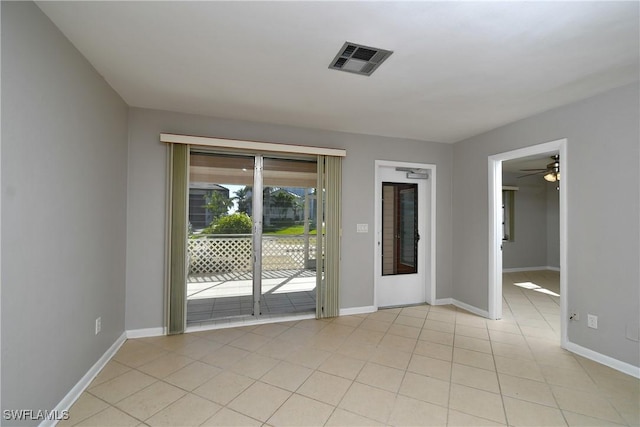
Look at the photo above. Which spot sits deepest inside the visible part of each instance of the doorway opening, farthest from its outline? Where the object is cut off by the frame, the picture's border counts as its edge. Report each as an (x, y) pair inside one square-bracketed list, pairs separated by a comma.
[(501, 229), (405, 200)]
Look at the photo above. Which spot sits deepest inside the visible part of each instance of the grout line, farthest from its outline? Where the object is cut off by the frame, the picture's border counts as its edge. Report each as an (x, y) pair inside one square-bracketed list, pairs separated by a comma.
[(495, 366), (536, 362)]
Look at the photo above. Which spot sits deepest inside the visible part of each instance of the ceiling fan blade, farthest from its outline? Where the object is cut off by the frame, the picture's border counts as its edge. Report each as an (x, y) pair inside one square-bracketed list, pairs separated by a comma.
[(531, 170), (531, 174)]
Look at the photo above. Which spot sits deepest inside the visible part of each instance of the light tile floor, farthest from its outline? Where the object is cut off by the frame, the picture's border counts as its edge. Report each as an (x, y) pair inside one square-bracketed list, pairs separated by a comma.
[(407, 366)]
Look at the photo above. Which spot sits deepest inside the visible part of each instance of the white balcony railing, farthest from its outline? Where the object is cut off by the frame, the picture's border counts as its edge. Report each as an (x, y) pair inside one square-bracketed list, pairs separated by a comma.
[(233, 252)]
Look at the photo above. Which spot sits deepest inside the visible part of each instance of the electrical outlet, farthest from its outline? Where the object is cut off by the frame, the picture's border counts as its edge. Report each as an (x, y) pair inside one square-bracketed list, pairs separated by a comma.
[(592, 321), (98, 325), (575, 316)]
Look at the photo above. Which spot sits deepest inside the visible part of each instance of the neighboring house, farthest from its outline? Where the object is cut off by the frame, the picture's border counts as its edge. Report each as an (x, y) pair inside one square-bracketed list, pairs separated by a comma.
[(285, 204), (199, 216)]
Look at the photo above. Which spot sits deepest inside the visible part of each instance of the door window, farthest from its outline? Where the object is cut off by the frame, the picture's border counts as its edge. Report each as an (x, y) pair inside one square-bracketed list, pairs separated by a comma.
[(399, 228)]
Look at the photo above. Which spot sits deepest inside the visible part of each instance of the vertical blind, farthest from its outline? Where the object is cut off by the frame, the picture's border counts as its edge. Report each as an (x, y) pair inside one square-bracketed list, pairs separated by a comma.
[(329, 187), (178, 263)]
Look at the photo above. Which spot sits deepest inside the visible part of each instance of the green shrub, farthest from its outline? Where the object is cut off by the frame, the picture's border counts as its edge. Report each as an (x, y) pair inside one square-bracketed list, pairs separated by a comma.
[(237, 223)]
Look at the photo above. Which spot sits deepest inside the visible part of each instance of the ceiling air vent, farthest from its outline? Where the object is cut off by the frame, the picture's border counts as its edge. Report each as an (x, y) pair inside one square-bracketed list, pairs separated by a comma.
[(358, 59)]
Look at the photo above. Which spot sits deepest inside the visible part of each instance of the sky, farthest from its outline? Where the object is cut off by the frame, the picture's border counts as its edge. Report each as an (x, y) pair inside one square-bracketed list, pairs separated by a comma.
[(232, 193)]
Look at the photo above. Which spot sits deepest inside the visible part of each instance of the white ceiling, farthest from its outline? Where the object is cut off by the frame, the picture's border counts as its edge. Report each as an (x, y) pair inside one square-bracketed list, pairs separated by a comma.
[(537, 161), (458, 68)]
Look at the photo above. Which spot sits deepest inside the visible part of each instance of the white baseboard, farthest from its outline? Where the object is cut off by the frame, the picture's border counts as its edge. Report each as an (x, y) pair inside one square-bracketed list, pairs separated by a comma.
[(358, 310), (248, 321), (84, 382), (539, 268), (462, 305), (616, 364), (470, 308), (144, 333)]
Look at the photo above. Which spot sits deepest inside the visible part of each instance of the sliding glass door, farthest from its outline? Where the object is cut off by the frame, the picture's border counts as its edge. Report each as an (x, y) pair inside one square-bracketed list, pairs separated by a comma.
[(289, 233), (220, 236), (251, 242)]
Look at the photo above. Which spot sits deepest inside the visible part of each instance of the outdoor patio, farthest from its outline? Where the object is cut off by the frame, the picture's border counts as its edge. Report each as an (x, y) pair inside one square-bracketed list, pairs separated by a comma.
[(220, 280), (224, 295)]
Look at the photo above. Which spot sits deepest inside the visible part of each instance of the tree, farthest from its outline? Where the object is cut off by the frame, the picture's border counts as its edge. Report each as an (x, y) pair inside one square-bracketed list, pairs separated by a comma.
[(237, 223), (296, 206), (218, 204), (244, 199), (283, 201)]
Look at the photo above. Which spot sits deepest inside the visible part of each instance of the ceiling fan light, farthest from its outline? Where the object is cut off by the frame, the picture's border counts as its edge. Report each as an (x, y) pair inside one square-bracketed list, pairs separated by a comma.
[(551, 176)]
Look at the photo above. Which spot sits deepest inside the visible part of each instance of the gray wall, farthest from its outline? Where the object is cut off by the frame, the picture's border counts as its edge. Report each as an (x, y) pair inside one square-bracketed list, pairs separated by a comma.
[(553, 226), (147, 177), (602, 266), (529, 247), (537, 224), (64, 146)]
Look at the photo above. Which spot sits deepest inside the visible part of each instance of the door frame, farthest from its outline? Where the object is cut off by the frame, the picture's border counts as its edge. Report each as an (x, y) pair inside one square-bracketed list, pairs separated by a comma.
[(430, 278), (495, 227)]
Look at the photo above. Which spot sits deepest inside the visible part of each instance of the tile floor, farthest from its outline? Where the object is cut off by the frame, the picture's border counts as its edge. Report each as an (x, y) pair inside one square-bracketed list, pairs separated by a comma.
[(419, 365)]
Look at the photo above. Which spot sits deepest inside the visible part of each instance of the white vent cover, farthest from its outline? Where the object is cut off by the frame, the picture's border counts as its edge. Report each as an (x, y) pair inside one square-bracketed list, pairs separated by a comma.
[(359, 59)]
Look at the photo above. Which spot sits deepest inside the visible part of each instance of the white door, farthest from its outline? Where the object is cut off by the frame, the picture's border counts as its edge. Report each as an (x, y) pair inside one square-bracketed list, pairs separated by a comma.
[(402, 230)]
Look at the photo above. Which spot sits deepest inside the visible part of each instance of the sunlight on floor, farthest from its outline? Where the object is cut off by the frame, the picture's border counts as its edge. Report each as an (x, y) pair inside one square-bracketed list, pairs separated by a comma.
[(533, 286)]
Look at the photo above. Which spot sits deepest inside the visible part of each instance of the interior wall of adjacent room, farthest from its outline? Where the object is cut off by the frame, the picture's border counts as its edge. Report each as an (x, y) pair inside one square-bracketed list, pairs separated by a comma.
[(553, 226), (529, 246)]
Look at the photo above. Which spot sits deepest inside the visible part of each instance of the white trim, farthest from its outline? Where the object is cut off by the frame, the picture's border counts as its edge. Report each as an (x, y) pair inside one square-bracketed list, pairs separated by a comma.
[(73, 395), (147, 332), (251, 145), (358, 310), (495, 240), (470, 308), (495, 235), (519, 269), (462, 305), (430, 293), (434, 230), (616, 364), (248, 321)]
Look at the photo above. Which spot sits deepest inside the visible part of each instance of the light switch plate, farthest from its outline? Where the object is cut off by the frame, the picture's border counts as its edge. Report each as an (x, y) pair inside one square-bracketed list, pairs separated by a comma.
[(362, 228)]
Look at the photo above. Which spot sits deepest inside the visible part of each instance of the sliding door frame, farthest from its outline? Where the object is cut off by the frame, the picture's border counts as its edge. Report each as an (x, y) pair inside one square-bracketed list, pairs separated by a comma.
[(258, 206), (327, 288)]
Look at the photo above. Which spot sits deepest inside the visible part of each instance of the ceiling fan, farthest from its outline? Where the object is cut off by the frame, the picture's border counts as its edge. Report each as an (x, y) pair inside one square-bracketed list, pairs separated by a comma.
[(551, 173)]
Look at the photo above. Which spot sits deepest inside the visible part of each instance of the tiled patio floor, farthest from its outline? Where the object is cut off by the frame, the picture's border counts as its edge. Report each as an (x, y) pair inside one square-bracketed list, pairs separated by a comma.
[(212, 297)]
